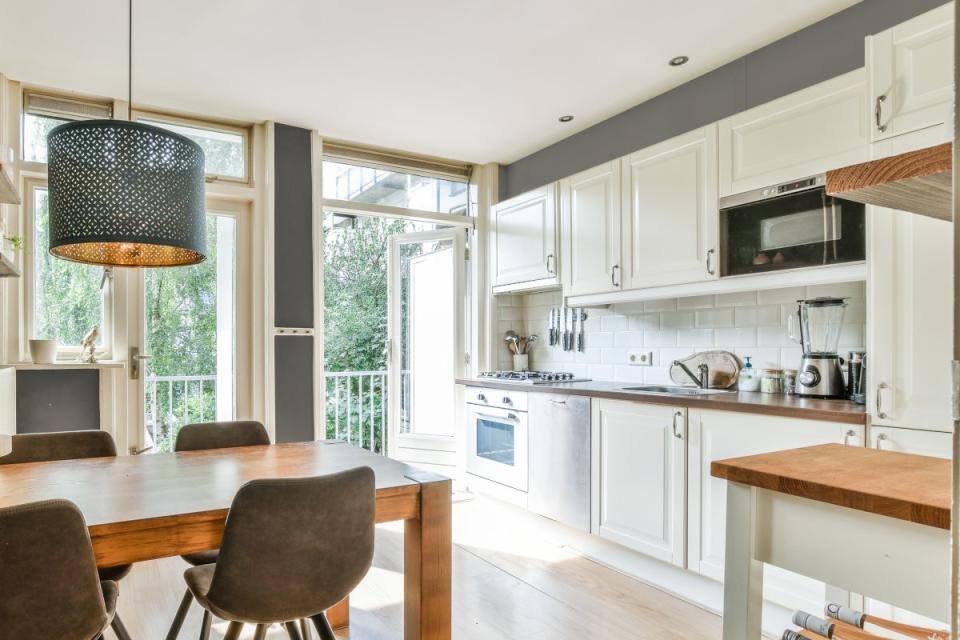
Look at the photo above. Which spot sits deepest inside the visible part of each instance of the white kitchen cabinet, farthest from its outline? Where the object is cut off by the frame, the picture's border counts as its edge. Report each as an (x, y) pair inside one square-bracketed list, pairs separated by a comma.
[(822, 127), (590, 230), (911, 74), (716, 435), (670, 211), (909, 320), (639, 462), (525, 241)]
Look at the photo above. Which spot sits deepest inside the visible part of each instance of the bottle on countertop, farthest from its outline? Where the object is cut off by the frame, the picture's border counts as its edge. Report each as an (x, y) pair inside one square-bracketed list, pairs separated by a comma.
[(749, 380)]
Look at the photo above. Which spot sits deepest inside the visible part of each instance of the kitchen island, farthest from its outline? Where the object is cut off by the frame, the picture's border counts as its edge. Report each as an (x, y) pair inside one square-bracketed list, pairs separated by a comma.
[(859, 519)]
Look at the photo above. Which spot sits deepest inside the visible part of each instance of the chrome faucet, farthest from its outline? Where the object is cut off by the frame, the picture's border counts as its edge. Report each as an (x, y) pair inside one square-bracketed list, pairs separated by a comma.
[(703, 381)]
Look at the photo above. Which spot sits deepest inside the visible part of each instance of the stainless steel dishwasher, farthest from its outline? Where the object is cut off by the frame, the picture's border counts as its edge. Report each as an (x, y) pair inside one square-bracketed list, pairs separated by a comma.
[(559, 458)]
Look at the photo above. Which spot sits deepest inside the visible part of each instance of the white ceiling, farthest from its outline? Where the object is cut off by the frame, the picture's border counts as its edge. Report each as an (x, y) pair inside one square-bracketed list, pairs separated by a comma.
[(477, 80)]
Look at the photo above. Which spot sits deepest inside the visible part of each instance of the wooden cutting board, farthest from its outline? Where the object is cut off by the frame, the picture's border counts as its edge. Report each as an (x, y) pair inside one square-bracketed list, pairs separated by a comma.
[(724, 369)]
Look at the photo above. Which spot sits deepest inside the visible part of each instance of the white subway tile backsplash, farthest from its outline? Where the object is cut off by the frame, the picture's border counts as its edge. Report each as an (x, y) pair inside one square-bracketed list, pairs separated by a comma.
[(714, 318), (697, 302), (749, 324)]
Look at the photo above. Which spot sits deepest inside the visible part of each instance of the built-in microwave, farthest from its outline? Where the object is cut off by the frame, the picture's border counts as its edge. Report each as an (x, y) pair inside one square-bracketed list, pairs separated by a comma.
[(789, 226)]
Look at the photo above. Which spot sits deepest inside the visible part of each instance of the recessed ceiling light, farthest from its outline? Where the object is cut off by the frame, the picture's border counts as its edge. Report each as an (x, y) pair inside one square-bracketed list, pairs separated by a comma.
[(679, 60), (565, 118)]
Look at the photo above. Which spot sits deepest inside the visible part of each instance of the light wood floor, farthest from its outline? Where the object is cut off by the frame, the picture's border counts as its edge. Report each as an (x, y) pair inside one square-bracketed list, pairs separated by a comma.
[(511, 580)]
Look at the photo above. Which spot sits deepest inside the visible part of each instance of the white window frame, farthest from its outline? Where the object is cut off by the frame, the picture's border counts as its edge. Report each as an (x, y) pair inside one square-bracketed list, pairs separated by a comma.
[(29, 283), (244, 131)]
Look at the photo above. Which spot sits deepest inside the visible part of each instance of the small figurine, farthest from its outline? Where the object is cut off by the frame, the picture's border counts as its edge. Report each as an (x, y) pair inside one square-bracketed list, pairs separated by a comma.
[(88, 346)]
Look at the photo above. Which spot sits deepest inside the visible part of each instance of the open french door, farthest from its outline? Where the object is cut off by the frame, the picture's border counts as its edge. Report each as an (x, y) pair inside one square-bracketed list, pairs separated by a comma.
[(426, 344)]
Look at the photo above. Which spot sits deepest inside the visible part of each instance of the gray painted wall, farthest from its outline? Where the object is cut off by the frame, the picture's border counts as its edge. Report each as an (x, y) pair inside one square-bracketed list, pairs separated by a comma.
[(819, 52), (293, 283), (58, 400)]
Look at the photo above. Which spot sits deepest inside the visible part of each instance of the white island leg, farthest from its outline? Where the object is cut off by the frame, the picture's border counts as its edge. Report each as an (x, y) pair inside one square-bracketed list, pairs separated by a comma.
[(743, 573)]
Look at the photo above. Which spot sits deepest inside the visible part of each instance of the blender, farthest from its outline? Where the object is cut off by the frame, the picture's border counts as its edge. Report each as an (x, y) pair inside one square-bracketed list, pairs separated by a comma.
[(820, 374)]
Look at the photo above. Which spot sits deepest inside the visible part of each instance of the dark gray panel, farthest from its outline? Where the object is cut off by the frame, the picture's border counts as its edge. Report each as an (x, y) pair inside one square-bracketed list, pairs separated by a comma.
[(819, 52), (293, 360), (58, 400), (293, 228)]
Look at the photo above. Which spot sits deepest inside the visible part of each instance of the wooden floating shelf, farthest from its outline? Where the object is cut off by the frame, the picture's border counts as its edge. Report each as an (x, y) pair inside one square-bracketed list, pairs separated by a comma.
[(918, 181), (8, 190), (7, 268)]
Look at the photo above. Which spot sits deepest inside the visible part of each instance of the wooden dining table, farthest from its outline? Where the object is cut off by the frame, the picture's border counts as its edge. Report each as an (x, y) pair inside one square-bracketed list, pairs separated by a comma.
[(147, 507)]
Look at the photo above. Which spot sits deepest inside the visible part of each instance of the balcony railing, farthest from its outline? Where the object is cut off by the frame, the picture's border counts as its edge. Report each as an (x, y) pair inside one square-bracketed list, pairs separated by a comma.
[(356, 408), (171, 402)]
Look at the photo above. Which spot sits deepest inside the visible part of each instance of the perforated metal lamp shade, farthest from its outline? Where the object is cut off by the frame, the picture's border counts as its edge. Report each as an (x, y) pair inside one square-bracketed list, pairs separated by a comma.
[(125, 194)]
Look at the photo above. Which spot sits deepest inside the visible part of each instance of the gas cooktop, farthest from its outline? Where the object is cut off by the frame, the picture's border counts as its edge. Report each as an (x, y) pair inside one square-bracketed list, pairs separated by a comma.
[(532, 377)]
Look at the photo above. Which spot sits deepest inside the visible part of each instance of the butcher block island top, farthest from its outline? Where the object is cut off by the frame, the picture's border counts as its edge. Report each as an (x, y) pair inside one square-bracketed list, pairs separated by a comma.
[(898, 485)]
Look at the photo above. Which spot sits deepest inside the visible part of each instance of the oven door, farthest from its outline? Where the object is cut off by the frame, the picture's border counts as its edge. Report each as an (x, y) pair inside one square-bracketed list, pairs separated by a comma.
[(497, 445)]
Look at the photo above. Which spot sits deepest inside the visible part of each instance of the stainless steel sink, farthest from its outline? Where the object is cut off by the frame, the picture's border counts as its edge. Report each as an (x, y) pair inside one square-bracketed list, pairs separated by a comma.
[(678, 391)]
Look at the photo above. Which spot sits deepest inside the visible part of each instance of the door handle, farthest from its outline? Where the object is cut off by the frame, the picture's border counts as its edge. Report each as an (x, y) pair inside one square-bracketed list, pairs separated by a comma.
[(135, 452), (613, 275), (878, 112), (551, 270), (134, 362), (676, 433), (879, 399), (710, 270)]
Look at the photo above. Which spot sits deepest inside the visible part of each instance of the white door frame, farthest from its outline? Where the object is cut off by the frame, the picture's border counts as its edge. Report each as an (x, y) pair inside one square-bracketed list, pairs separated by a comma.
[(396, 440)]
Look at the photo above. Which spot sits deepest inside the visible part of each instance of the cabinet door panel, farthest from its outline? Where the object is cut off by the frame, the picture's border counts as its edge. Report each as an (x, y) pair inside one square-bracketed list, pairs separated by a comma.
[(909, 321), (718, 435), (591, 230), (670, 211), (911, 73), (525, 238), (641, 475), (805, 133)]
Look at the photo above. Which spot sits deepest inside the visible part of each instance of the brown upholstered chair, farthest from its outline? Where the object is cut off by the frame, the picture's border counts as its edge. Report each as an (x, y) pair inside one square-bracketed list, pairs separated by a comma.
[(212, 435), (291, 549), (49, 576), (70, 445)]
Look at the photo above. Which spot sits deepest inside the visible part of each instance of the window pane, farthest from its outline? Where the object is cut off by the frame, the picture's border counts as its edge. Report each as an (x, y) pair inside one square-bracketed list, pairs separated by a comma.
[(190, 336), (225, 151), (35, 130), (394, 188), (67, 301)]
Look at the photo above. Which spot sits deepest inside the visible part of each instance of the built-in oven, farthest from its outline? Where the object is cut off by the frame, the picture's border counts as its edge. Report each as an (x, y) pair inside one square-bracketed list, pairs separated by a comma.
[(497, 437), (792, 225)]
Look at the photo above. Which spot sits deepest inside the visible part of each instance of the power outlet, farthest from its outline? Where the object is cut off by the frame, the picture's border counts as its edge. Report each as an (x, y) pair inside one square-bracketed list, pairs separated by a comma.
[(640, 358)]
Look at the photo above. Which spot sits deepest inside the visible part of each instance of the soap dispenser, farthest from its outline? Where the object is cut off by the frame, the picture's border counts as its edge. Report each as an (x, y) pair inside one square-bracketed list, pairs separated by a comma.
[(749, 380)]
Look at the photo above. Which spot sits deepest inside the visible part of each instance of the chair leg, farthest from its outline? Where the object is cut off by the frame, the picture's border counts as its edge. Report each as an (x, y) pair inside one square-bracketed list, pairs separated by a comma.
[(233, 631), (292, 630), (119, 629), (305, 629), (261, 632), (181, 616), (205, 625), (323, 627)]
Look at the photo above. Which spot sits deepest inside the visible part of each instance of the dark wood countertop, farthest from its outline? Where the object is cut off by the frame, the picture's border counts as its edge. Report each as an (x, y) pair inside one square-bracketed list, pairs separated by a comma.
[(742, 401), (899, 485)]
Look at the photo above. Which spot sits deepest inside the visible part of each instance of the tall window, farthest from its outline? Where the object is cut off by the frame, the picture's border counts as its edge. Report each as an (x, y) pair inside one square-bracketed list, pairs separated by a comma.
[(67, 300)]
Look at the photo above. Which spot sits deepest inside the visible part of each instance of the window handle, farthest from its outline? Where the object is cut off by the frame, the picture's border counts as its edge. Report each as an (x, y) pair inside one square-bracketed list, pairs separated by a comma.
[(134, 362)]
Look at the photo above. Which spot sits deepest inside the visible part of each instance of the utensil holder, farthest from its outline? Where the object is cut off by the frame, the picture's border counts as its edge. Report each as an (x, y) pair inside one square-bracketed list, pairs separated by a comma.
[(521, 361)]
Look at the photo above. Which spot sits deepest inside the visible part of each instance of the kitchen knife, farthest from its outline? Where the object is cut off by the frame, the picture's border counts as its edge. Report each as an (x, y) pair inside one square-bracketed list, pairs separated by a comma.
[(583, 316), (567, 331)]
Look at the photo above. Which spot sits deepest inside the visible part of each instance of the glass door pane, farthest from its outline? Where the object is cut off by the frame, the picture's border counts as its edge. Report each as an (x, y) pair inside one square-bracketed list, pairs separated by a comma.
[(190, 328)]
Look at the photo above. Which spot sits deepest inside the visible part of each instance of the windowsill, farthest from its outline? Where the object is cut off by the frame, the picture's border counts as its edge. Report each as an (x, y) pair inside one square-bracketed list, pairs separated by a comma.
[(66, 364)]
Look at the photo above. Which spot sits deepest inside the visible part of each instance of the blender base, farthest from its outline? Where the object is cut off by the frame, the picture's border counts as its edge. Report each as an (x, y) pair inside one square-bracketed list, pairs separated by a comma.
[(821, 377)]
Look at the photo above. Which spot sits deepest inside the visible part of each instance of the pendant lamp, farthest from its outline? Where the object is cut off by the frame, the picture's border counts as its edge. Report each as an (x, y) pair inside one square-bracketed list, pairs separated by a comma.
[(124, 193)]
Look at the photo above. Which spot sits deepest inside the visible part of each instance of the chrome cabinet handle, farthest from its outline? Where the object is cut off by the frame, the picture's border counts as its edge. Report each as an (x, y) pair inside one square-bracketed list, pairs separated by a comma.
[(880, 388), (558, 403), (613, 275), (878, 112), (677, 434), (849, 434), (551, 270), (880, 439), (710, 270)]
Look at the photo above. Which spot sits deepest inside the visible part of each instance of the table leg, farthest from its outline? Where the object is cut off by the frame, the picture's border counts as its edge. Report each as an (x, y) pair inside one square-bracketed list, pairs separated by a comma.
[(743, 573), (339, 614), (426, 565)]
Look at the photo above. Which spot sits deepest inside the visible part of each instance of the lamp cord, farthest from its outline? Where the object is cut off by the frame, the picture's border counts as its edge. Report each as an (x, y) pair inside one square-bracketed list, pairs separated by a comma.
[(130, 60)]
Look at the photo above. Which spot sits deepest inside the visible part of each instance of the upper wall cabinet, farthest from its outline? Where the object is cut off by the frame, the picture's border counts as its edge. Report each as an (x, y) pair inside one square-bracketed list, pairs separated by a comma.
[(670, 211), (590, 218), (911, 75), (805, 133), (525, 241)]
